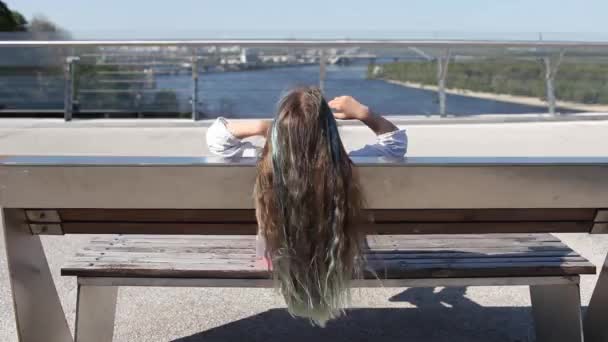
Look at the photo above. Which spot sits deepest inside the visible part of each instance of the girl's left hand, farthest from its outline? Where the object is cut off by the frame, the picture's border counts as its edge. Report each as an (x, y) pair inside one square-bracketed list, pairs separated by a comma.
[(348, 108)]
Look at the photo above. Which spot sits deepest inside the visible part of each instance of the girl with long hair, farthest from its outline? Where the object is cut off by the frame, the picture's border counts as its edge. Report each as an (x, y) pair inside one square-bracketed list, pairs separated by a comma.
[(307, 195)]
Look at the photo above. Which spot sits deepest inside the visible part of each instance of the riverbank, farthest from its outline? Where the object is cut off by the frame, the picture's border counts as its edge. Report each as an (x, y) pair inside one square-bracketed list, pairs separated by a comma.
[(524, 100)]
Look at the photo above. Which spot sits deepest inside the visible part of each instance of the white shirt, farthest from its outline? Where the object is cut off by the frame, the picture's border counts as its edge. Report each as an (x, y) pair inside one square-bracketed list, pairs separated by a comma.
[(224, 144)]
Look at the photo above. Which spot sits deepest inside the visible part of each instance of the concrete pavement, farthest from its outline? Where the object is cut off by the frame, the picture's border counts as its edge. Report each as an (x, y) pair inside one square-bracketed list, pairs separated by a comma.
[(455, 314)]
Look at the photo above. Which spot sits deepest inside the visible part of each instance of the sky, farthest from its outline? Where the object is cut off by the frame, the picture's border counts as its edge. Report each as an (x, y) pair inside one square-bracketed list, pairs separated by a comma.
[(397, 19)]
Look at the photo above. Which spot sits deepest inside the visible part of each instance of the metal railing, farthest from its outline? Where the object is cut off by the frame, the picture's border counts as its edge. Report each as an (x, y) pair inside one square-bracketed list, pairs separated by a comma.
[(551, 53), (307, 43)]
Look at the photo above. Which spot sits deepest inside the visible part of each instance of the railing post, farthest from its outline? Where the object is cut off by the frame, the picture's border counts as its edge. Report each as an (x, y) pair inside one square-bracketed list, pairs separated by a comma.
[(442, 72), (138, 98), (551, 67), (68, 100), (195, 88), (322, 67)]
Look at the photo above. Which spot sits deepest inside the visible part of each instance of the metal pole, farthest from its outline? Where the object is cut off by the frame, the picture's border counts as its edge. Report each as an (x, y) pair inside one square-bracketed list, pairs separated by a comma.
[(549, 85), (551, 67), (322, 67), (138, 98), (442, 72), (194, 88), (68, 101)]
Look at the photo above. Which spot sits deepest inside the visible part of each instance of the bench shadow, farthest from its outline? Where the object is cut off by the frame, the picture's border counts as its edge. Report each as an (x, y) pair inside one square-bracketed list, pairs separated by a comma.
[(441, 314)]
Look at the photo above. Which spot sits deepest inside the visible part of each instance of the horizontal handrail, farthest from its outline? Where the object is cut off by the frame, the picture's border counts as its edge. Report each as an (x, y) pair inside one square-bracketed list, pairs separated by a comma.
[(308, 43)]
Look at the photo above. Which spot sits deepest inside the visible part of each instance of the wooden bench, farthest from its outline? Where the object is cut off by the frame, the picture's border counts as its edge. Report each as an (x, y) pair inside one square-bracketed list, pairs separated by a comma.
[(543, 262), (518, 201)]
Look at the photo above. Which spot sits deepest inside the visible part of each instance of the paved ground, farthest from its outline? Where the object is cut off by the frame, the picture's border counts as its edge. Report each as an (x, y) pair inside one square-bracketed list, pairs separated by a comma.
[(440, 314)]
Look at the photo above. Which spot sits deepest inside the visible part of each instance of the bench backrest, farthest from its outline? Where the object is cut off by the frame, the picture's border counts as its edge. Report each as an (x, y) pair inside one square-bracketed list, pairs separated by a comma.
[(97, 195)]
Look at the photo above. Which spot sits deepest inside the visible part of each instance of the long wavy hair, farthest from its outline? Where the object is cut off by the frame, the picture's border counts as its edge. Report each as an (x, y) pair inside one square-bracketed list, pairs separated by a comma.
[(308, 206)]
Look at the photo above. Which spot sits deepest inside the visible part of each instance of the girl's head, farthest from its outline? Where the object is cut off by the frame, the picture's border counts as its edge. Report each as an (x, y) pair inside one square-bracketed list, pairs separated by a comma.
[(307, 205)]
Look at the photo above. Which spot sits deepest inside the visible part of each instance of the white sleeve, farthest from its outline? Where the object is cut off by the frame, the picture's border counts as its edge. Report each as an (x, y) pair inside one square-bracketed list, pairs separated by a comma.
[(222, 143), (391, 144)]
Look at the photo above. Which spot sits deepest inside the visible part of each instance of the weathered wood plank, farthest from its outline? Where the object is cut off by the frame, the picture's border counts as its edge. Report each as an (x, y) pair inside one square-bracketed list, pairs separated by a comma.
[(221, 239), (158, 215), (380, 228), (376, 243), (142, 260), (379, 215), (159, 228), (482, 215), (478, 227), (414, 253), (468, 237), (389, 258), (384, 270)]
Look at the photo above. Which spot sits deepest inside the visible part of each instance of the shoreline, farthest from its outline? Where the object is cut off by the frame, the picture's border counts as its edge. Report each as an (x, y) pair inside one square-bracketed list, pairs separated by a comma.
[(516, 99)]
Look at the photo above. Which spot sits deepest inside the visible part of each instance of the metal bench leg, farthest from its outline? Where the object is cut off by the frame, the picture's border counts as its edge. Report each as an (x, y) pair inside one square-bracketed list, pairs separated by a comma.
[(95, 312), (38, 311), (557, 312), (595, 326)]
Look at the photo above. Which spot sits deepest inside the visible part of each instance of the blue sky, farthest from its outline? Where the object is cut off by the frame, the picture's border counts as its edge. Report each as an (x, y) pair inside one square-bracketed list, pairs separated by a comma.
[(312, 18)]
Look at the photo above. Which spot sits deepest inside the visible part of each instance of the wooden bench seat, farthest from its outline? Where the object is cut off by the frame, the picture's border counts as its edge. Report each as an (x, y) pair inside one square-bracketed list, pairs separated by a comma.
[(389, 257), (540, 261)]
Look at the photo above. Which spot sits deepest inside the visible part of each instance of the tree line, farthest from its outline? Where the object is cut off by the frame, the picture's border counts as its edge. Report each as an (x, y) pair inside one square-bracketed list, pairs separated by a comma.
[(13, 21), (583, 82)]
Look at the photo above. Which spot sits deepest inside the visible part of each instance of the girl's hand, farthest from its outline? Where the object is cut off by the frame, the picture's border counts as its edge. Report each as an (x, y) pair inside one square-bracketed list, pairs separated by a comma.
[(348, 108)]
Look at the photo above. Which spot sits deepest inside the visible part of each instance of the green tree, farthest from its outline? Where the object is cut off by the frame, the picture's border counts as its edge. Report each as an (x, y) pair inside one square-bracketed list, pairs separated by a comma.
[(11, 21), (578, 80), (42, 28), (42, 24)]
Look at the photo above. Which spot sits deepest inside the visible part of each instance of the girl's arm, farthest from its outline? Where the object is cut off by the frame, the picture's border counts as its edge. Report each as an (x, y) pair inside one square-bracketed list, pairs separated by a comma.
[(246, 129), (390, 140), (225, 138), (348, 108)]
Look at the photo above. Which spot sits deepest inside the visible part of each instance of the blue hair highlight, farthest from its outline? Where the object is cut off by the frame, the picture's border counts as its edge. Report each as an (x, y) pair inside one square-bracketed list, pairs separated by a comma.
[(279, 183), (330, 128)]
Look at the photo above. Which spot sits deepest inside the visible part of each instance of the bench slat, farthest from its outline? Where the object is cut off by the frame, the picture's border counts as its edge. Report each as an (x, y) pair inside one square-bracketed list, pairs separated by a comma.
[(386, 242), (386, 270), (515, 255), (425, 259), (379, 228), (379, 215), (514, 252)]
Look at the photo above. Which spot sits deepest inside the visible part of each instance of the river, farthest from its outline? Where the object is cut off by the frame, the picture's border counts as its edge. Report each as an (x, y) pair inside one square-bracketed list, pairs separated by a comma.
[(255, 93)]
